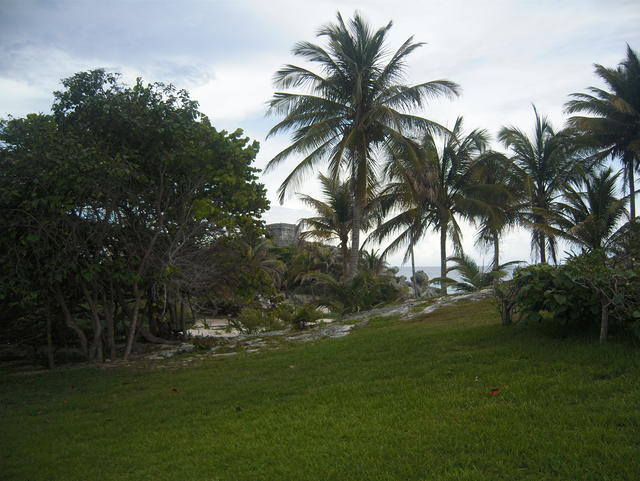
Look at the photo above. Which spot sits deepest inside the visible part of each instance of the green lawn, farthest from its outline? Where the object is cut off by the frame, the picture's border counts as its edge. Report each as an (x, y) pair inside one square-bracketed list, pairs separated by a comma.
[(392, 401)]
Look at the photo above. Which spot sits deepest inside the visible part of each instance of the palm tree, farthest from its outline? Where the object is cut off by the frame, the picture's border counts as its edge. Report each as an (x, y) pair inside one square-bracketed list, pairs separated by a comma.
[(373, 262), (473, 277), (501, 192), (543, 165), (591, 211), (616, 125), (429, 189), (356, 106), (406, 194), (335, 215)]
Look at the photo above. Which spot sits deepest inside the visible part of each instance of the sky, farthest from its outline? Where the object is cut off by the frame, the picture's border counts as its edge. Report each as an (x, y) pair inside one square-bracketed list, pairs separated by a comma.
[(506, 55)]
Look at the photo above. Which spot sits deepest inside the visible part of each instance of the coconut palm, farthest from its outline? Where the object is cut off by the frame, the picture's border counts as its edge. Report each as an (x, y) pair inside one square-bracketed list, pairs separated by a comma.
[(472, 276), (354, 107), (591, 212), (616, 125), (543, 164), (335, 215), (429, 188), (407, 194), (501, 191)]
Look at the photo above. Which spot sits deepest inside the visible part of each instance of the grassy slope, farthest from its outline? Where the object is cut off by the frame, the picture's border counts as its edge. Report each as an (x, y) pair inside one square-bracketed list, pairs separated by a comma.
[(393, 401)]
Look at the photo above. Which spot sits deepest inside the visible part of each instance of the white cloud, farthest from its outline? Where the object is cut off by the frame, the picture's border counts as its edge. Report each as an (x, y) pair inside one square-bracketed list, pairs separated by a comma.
[(504, 54)]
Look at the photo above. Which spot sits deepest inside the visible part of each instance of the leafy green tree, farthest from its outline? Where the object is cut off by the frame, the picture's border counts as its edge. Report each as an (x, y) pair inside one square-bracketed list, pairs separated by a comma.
[(615, 125), (122, 190), (356, 106), (543, 164)]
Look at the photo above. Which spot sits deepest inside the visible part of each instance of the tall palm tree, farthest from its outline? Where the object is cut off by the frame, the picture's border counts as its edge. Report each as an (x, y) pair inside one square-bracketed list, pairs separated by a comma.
[(431, 187), (356, 106), (591, 211), (335, 215), (406, 194), (501, 191), (544, 164), (616, 125)]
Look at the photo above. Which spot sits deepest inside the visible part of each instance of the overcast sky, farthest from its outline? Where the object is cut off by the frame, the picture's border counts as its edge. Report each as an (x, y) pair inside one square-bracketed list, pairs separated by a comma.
[(506, 55)]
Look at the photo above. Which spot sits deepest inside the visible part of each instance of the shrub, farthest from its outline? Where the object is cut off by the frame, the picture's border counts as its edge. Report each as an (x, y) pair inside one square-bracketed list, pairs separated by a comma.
[(549, 295), (365, 291), (588, 292), (257, 319)]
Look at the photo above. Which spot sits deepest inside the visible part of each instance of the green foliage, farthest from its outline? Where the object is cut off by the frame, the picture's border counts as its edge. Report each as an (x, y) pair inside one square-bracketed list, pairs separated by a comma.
[(570, 297), (365, 291), (473, 277), (257, 319), (297, 316), (548, 293), (121, 194)]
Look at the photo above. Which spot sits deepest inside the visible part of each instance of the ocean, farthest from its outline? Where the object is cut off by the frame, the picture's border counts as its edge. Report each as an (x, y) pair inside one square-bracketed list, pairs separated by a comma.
[(431, 271), (434, 271)]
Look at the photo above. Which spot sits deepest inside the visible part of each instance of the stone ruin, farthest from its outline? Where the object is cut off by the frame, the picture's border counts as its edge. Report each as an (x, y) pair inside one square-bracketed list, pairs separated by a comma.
[(282, 234)]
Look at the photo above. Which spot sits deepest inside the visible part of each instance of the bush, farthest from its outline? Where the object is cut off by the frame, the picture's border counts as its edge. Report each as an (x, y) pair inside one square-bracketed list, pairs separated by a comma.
[(549, 295), (298, 317), (365, 291), (257, 319), (586, 293)]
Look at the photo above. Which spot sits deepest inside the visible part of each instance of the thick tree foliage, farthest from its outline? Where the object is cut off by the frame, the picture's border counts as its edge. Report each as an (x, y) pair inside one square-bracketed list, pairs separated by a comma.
[(113, 205)]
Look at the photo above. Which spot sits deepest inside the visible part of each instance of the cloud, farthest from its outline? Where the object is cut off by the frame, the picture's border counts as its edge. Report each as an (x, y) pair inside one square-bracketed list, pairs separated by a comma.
[(505, 55)]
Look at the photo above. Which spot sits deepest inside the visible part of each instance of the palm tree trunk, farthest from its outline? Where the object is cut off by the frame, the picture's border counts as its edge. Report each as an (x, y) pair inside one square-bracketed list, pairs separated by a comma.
[(413, 272), (443, 259), (344, 248), (355, 237), (632, 190), (496, 251), (541, 246)]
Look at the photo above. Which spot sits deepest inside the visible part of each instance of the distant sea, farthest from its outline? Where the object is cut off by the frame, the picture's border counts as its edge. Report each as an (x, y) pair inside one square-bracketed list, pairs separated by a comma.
[(431, 271), (434, 271)]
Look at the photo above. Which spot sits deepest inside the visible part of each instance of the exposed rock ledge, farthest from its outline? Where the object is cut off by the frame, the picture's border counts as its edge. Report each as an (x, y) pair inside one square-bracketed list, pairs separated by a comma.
[(249, 343)]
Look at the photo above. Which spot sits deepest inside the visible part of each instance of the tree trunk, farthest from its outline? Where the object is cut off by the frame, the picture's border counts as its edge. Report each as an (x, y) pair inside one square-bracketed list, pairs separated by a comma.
[(50, 360), (150, 337), (133, 324), (355, 238), (95, 351), (443, 259), (413, 273), (496, 251), (543, 251), (153, 326), (344, 248), (604, 320), (181, 315), (109, 319), (632, 191), (68, 319)]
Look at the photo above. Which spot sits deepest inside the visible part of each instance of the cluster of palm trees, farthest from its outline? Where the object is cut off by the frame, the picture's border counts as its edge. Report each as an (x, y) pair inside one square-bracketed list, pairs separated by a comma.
[(406, 175)]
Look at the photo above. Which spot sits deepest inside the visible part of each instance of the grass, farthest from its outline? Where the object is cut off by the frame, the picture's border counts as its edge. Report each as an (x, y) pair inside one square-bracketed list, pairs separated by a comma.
[(392, 401)]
